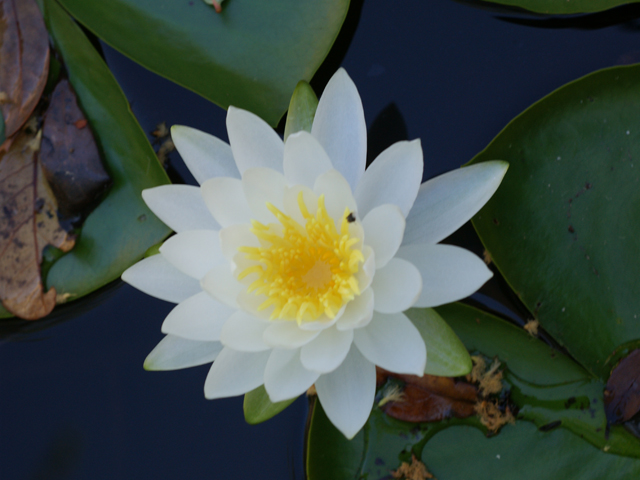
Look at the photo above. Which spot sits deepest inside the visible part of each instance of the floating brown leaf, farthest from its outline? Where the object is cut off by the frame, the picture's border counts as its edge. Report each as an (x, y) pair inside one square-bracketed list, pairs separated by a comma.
[(70, 156), (622, 394), (430, 398), (28, 223), (24, 61)]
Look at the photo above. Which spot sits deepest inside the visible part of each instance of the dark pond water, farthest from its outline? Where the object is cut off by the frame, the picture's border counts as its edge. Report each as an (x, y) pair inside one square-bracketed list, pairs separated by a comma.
[(75, 402)]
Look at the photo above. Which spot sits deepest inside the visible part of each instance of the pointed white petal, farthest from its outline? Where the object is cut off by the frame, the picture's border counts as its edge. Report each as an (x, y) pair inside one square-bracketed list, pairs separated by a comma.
[(446, 202), (262, 185), (197, 318), (206, 156), (155, 276), (340, 127), (180, 207), (243, 332), (250, 303), (174, 353), (285, 377), (225, 200), (304, 159), (253, 142), (327, 351), (394, 177), (448, 273), (236, 236), (337, 195), (347, 393), (193, 252), (220, 283), (287, 334), (393, 343), (383, 230), (367, 270), (234, 373), (358, 312), (396, 286)]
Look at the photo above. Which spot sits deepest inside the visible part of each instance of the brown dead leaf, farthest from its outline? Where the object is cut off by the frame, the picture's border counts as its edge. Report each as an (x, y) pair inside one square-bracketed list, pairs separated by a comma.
[(622, 394), (416, 470), (429, 398), (24, 50), (28, 223), (70, 157)]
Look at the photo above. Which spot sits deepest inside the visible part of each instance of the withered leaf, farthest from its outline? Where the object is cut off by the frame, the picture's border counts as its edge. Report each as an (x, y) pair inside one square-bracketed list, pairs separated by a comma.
[(622, 394), (24, 61), (28, 223), (430, 398), (70, 157)]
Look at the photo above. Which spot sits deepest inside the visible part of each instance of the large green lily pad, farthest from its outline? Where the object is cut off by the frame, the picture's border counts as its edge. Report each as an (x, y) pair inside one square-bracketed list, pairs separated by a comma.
[(563, 226), (557, 7), (251, 55), (121, 228), (560, 424)]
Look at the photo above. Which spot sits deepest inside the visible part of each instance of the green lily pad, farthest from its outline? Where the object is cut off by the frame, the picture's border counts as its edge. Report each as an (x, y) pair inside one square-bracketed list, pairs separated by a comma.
[(119, 231), (562, 228), (560, 422), (555, 7), (251, 55)]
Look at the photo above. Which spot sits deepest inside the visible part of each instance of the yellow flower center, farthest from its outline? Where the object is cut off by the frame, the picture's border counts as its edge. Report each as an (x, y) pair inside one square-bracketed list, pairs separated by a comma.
[(304, 271)]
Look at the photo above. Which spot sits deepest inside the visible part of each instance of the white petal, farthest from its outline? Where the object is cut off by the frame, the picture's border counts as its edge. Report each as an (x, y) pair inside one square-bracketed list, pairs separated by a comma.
[(220, 283), (285, 377), (448, 273), (358, 312), (394, 177), (206, 156), (383, 230), (225, 200), (446, 202), (393, 343), (340, 127), (243, 332), (193, 252), (180, 207), (347, 393), (236, 236), (234, 373), (262, 185), (304, 159), (253, 142), (368, 270), (197, 318), (250, 303), (327, 351), (292, 207), (396, 286), (174, 353), (337, 195), (323, 321), (287, 334), (155, 276)]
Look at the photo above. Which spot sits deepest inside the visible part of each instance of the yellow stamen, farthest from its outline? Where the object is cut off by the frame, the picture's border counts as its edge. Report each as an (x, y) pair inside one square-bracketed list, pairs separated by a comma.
[(303, 271)]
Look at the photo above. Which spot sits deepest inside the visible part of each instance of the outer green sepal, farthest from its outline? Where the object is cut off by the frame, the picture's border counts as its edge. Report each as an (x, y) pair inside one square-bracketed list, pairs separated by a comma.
[(302, 109), (446, 355), (258, 408)]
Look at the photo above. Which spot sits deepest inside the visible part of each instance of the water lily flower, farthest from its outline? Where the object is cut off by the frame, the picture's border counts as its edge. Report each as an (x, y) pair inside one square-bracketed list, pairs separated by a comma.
[(292, 265)]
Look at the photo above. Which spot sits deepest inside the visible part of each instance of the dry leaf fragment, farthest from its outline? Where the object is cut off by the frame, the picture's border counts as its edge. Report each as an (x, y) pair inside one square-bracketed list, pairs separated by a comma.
[(414, 471), (70, 157), (429, 398), (622, 394), (486, 256), (489, 381), (493, 416), (532, 326), (24, 50), (28, 222)]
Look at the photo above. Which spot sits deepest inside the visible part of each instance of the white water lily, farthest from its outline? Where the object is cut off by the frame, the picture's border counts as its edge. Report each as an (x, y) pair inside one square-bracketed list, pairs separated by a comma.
[(292, 265)]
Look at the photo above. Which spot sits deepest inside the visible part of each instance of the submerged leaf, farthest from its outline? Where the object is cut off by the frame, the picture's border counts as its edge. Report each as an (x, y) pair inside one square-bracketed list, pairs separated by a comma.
[(28, 223), (622, 396), (70, 156), (24, 61)]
